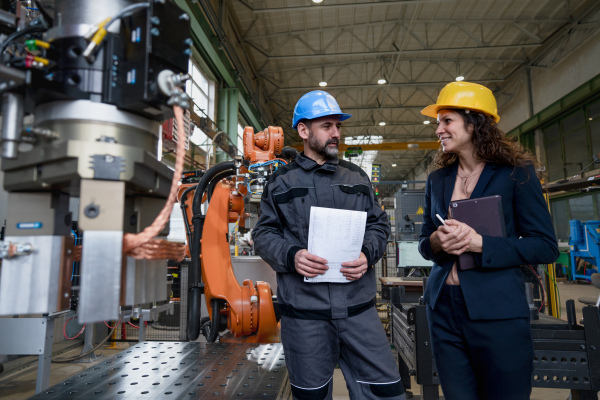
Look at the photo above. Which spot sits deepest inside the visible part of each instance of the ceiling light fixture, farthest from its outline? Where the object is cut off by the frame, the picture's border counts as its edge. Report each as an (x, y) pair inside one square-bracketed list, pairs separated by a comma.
[(460, 78), (382, 123), (323, 84), (317, 1), (426, 122), (381, 81), (393, 165)]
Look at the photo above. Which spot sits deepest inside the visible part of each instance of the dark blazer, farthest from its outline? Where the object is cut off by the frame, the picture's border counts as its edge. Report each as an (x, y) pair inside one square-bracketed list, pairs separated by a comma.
[(495, 290)]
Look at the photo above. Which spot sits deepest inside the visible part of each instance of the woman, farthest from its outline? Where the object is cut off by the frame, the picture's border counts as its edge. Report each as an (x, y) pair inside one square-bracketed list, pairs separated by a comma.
[(479, 318)]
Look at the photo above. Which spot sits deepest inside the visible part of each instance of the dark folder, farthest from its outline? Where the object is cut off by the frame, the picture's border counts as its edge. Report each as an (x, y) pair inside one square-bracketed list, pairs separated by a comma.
[(484, 215)]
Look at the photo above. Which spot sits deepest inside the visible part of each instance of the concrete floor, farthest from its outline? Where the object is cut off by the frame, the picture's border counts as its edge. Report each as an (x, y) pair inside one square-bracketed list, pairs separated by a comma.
[(21, 384)]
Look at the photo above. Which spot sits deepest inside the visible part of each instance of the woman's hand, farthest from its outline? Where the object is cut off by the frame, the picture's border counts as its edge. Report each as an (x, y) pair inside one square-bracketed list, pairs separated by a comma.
[(455, 238)]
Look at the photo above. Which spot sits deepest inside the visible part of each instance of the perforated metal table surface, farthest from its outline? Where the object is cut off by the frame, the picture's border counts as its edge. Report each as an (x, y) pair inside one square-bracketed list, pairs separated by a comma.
[(171, 370)]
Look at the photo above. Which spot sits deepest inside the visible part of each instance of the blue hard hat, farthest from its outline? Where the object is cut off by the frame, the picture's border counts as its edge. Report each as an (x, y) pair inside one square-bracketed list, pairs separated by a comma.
[(317, 104)]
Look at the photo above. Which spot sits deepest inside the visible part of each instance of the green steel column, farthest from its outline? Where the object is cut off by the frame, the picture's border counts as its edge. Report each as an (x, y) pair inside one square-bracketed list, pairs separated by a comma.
[(227, 116)]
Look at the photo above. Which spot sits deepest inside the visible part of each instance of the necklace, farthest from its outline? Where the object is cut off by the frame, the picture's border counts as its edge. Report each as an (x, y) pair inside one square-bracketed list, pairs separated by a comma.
[(466, 176)]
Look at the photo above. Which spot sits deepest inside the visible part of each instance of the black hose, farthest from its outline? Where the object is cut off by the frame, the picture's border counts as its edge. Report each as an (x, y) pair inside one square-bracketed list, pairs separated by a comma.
[(194, 313), (206, 179), (184, 196), (215, 321), (217, 179), (194, 272), (35, 27)]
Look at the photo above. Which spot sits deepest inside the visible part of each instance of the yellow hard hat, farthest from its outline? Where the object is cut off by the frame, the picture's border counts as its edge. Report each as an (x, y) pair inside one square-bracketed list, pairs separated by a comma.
[(464, 95)]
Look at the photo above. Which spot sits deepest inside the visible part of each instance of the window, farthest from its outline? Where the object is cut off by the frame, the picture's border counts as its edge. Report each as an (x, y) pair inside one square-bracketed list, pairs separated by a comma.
[(364, 160), (561, 220), (571, 140), (594, 124), (202, 92), (240, 141), (575, 143), (582, 208), (553, 152)]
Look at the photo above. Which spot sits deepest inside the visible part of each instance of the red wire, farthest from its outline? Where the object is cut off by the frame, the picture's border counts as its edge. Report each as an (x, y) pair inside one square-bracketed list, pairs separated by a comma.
[(108, 326), (136, 327), (541, 287), (65, 330)]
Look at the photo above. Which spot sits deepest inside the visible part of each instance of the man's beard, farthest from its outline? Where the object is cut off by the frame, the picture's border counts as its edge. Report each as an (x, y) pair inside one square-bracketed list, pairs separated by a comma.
[(323, 149)]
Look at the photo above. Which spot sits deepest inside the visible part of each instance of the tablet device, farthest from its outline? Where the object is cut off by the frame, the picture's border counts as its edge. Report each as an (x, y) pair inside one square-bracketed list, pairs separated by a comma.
[(484, 215)]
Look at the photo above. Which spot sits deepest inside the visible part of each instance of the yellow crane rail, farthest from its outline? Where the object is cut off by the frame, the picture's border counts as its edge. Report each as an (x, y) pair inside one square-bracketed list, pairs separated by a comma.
[(385, 146)]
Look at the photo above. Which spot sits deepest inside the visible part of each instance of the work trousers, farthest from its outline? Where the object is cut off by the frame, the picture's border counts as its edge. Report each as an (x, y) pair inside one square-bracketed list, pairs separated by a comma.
[(479, 359), (359, 344)]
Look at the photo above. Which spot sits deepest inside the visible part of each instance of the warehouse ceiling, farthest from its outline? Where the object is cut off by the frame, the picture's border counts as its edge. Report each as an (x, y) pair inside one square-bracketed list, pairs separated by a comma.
[(386, 60)]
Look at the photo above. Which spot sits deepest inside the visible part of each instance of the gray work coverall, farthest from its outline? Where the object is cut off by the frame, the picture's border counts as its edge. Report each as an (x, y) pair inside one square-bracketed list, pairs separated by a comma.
[(324, 324)]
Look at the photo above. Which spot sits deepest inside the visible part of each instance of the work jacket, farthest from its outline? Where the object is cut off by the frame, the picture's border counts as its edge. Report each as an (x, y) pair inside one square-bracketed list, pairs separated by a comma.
[(282, 230), (494, 290)]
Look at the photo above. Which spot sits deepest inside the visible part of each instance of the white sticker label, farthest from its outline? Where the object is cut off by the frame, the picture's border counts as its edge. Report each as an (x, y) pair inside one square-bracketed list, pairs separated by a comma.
[(29, 225)]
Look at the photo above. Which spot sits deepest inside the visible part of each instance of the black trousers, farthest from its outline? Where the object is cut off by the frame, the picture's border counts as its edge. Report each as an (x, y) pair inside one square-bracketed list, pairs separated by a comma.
[(481, 359)]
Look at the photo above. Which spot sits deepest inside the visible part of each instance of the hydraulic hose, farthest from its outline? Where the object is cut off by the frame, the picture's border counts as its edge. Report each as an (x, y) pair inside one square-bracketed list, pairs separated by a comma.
[(184, 196), (215, 322), (206, 179), (195, 273), (194, 313), (217, 179)]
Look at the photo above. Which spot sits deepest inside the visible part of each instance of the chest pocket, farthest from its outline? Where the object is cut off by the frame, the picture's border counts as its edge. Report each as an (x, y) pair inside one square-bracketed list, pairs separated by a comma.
[(356, 197), (355, 189), (293, 205)]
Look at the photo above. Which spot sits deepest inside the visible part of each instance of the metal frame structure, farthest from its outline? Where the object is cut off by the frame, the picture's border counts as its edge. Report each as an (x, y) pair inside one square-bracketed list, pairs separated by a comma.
[(567, 355)]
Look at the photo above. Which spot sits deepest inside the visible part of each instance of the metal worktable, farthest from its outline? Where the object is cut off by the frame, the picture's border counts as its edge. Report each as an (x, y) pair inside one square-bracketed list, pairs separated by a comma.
[(172, 370)]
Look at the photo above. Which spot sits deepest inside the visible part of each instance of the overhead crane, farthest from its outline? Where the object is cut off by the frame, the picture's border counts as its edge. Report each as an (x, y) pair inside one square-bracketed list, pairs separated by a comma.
[(428, 145)]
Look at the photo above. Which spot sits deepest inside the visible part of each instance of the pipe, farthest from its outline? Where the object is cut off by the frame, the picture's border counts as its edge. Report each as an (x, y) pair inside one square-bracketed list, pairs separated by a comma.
[(12, 124)]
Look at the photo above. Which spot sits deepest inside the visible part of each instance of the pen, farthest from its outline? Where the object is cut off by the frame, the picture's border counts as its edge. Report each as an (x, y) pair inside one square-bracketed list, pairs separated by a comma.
[(440, 218)]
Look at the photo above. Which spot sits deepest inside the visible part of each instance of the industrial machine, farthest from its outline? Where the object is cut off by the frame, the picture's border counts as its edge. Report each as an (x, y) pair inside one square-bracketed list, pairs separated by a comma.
[(584, 243), (232, 190), (83, 93)]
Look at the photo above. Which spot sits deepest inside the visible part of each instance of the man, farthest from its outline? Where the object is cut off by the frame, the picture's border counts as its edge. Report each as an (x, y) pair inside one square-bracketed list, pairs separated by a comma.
[(323, 324)]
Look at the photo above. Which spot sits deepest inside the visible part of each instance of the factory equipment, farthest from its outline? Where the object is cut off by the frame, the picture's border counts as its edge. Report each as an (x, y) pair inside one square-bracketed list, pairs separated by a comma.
[(83, 93), (233, 190), (566, 354), (584, 243), (409, 205)]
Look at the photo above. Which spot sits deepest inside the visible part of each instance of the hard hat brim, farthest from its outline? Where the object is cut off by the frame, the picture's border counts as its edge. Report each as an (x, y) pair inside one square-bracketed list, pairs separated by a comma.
[(434, 109), (343, 117)]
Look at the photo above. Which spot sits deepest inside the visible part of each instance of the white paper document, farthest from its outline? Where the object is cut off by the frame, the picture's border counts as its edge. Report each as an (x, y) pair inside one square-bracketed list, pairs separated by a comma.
[(337, 236)]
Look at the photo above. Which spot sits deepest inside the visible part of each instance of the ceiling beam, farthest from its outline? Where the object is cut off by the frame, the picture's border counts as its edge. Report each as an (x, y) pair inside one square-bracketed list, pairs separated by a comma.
[(393, 52), (376, 86), (349, 5), (557, 21), (429, 145), (378, 60)]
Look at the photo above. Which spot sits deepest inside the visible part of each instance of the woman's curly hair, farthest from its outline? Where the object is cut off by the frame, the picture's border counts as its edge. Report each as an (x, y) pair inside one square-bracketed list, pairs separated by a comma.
[(491, 144)]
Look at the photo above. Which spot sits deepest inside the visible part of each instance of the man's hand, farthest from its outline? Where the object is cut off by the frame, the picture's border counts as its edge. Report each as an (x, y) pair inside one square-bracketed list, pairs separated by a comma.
[(354, 270), (309, 265)]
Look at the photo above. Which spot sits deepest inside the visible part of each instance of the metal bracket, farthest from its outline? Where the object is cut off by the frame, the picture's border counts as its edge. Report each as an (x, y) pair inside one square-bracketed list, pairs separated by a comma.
[(107, 167)]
